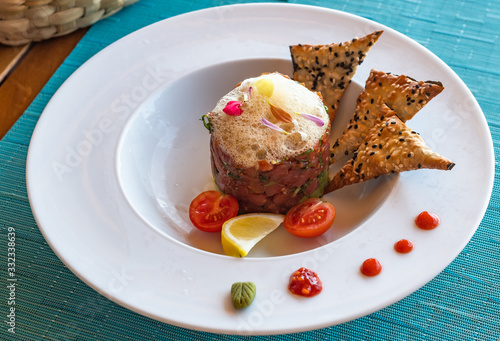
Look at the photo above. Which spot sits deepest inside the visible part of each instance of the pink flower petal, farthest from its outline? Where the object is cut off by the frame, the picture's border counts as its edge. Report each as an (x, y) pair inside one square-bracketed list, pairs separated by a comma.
[(318, 121), (273, 126), (233, 108)]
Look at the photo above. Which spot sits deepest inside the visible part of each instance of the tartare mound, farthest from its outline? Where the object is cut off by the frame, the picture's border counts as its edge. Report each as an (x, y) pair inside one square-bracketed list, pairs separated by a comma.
[(270, 143)]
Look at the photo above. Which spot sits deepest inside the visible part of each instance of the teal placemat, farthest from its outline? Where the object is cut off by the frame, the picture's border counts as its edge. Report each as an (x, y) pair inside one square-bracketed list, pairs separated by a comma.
[(461, 303)]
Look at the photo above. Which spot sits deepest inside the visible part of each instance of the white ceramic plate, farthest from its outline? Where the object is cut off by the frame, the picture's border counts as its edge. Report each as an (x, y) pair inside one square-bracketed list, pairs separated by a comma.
[(120, 151)]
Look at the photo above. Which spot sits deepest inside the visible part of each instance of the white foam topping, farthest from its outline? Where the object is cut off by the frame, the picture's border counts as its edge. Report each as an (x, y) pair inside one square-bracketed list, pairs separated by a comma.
[(247, 140)]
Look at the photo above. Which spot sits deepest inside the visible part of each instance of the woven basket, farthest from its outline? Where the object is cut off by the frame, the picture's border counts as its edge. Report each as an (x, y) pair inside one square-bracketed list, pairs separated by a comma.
[(23, 21)]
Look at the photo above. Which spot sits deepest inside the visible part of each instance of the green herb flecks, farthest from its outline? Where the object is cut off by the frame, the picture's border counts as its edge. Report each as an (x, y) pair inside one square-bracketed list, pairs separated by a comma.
[(307, 152), (323, 180), (207, 123)]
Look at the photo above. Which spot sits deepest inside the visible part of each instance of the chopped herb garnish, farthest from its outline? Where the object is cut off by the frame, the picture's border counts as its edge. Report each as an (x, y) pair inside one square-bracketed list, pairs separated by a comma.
[(207, 123), (310, 150), (235, 177)]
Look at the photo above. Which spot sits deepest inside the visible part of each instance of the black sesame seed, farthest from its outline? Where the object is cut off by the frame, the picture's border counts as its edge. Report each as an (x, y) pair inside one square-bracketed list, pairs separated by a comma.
[(372, 153), (393, 122), (370, 44), (316, 48), (401, 140), (388, 157), (379, 83), (419, 166), (371, 101), (330, 48), (346, 152), (409, 155), (374, 146), (380, 145)]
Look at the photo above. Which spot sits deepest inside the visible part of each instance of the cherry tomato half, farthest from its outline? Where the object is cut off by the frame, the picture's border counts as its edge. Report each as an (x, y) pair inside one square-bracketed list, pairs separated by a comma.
[(210, 209), (310, 218)]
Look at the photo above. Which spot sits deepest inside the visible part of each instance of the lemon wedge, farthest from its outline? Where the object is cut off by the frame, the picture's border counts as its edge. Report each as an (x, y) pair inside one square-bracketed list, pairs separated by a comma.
[(240, 234)]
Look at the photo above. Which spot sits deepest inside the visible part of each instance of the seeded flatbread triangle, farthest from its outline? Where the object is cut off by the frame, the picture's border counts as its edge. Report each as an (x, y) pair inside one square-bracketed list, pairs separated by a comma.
[(390, 147), (403, 94), (330, 68)]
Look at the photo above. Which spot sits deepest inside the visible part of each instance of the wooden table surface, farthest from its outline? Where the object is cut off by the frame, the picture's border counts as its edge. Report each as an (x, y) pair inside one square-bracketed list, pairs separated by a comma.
[(25, 69)]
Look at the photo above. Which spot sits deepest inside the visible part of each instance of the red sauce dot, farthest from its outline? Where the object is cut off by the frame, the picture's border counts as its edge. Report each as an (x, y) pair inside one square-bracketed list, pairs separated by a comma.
[(427, 221), (305, 282), (403, 246), (371, 267)]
